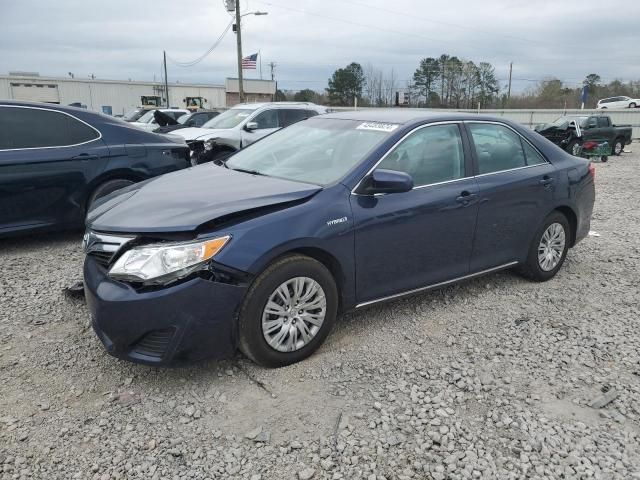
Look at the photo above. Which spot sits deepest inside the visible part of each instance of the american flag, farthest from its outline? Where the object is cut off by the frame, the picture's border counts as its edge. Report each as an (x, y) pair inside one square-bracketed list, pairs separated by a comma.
[(249, 63)]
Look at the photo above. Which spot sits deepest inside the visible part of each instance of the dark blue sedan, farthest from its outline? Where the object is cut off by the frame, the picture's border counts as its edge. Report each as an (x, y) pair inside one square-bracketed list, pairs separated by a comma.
[(56, 161), (333, 213)]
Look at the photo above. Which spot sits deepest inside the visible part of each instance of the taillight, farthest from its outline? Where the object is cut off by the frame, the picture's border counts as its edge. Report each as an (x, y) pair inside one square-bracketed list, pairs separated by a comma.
[(592, 171)]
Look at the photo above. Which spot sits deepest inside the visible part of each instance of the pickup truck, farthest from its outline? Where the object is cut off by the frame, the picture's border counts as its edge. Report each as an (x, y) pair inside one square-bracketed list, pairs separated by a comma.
[(570, 131)]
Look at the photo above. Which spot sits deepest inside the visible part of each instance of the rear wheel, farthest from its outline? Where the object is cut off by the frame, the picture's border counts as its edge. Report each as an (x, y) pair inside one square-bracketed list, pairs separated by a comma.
[(618, 146), (632, 105), (548, 249), (106, 188), (288, 312), (574, 147)]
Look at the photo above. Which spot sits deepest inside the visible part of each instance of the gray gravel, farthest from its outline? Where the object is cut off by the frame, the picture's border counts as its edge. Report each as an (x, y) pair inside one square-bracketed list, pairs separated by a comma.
[(495, 378)]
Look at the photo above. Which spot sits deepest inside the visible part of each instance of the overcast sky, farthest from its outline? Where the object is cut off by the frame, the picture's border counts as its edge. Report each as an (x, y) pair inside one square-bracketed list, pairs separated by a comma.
[(309, 39)]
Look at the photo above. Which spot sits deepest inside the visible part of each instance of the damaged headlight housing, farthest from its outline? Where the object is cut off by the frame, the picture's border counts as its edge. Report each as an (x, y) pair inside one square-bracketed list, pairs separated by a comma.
[(164, 263)]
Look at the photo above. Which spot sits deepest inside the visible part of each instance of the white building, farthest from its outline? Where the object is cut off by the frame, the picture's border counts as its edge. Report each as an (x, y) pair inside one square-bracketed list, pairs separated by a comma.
[(118, 96)]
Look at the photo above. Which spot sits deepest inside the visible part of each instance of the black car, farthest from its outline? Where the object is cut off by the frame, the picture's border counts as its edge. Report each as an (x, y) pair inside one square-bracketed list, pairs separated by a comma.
[(195, 119), (55, 161)]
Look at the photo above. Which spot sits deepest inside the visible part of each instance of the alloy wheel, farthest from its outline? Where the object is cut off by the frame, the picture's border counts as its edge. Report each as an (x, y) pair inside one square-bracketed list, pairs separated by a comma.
[(294, 314), (617, 148), (551, 247)]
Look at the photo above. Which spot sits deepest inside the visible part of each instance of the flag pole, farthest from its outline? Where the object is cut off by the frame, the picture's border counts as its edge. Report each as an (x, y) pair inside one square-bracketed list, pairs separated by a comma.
[(260, 56)]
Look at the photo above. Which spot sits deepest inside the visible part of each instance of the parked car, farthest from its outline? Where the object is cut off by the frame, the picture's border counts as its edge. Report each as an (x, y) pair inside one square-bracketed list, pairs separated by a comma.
[(195, 119), (241, 126), (618, 102), (55, 161), (135, 114), (149, 123), (337, 212), (571, 131)]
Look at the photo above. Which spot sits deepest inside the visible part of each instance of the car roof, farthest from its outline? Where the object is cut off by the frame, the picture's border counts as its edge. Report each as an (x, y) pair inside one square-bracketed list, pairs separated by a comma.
[(407, 116), (256, 106)]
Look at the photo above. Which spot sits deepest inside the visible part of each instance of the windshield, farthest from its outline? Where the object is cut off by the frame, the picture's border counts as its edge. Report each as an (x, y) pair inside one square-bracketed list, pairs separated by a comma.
[(183, 118), (319, 151), (229, 119), (147, 117), (563, 122), (133, 115)]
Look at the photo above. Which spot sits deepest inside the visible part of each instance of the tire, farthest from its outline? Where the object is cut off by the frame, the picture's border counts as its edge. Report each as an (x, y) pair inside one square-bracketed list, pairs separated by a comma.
[(604, 159), (573, 144), (618, 146), (254, 320), (106, 188), (632, 105), (534, 268)]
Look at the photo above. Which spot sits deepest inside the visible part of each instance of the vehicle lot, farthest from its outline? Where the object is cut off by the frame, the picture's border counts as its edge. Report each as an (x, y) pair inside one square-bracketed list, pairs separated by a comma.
[(494, 378)]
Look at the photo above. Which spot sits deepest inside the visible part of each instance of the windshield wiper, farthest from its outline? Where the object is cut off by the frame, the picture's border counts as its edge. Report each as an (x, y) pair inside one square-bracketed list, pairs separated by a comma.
[(252, 172)]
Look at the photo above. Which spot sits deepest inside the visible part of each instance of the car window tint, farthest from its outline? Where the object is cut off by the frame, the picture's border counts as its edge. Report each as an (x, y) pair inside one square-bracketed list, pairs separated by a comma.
[(533, 156), (291, 116), (430, 155), (36, 128), (497, 147), (603, 122), (267, 119)]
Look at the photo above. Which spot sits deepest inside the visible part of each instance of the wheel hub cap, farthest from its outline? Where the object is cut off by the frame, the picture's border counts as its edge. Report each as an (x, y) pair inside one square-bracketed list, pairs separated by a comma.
[(551, 247), (294, 314)]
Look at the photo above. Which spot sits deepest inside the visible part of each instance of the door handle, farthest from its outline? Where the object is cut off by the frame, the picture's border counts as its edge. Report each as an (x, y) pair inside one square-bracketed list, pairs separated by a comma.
[(465, 197), (546, 180)]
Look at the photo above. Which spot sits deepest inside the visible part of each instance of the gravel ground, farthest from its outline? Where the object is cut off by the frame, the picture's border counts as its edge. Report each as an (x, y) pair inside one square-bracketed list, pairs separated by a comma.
[(494, 378)]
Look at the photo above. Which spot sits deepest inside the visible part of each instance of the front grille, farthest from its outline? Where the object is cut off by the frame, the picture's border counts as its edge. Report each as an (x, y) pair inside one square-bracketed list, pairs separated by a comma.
[(102, 258), (103, 247), (155, 343)]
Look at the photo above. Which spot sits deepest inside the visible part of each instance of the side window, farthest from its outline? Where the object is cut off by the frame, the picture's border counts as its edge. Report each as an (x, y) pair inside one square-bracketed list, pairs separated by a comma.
[(603, 121), (292, 116), (532, 155), (267, 119), (592, 122), (497, 147), (37, 128), (430, 155), (198, 120)]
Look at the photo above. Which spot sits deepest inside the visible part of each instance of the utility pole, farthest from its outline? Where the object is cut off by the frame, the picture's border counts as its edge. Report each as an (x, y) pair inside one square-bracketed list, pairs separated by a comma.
[(509, 90), (239, 43), (272, 65), (166, 82)]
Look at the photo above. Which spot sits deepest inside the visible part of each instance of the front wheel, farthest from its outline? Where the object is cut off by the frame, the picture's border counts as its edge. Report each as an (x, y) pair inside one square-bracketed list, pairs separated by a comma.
[(288, 312), (548, 249), (632, 105), (618, 146)]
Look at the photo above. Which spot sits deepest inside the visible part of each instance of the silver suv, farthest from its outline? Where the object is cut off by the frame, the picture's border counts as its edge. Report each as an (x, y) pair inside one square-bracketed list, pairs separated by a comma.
[(242, 125)]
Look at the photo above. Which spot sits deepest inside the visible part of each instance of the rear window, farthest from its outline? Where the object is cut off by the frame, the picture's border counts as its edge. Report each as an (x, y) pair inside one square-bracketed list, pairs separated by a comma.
[(39, 128)]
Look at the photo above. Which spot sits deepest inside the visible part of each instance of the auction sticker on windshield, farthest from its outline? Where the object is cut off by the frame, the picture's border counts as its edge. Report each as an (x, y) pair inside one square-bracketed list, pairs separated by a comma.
[(380, 127)]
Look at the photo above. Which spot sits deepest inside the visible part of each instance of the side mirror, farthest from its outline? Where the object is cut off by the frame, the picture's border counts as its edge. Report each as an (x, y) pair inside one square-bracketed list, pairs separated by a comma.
[(385, 181), (250, 126)]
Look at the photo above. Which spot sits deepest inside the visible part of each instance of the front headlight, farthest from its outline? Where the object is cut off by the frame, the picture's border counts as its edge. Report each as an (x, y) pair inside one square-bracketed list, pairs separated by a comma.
[(162, 263)]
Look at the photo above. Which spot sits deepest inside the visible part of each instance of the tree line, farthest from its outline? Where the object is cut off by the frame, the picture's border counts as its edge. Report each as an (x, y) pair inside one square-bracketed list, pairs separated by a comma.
[(451, 82)]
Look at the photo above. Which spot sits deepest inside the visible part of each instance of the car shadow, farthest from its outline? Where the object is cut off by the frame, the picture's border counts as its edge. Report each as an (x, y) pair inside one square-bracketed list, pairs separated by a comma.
[(39, 240)]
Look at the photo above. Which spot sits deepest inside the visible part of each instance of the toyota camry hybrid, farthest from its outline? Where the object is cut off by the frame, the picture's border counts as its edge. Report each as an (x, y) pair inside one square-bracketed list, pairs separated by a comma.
[(333, 213)]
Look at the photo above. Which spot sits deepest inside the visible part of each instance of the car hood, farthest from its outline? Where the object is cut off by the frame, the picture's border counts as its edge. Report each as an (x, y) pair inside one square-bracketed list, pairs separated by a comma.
[(185, 200), (194, 133)]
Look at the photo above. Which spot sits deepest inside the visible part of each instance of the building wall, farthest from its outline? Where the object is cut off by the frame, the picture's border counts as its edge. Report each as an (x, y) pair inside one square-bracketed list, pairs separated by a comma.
[(234, 98), (121, 96)]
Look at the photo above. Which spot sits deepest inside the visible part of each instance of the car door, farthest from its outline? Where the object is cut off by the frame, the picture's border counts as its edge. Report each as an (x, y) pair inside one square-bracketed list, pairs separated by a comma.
[(406, 241), (515, 193), (268, 121), (46, 159)]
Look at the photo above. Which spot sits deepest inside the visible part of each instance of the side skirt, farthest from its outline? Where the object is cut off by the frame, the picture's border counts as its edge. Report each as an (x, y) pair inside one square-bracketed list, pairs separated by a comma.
[(437, 285)]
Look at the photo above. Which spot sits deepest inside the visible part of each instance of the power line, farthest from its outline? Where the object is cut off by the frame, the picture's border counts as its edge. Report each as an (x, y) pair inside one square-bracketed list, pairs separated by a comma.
[(205, 54)]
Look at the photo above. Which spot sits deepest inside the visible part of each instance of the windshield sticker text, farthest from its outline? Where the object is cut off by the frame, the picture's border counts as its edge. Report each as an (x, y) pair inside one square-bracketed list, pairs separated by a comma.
[(380, 127)]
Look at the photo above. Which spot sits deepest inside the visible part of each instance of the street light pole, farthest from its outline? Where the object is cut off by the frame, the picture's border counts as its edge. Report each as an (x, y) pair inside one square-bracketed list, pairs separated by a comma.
[(239, 43)]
